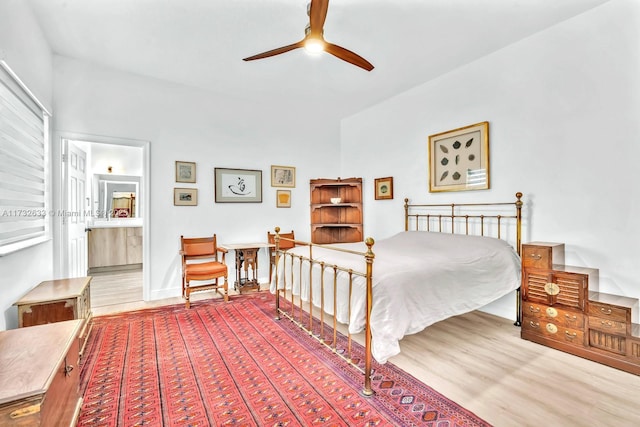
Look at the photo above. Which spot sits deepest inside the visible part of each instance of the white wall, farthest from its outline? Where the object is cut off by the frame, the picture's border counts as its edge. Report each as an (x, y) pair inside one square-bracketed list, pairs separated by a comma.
[(188, 124), (563, 107), (30, 58), (124, 160)]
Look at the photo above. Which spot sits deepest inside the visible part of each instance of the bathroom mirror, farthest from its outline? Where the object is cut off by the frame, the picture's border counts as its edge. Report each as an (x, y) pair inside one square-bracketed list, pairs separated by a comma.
[(116, 196)]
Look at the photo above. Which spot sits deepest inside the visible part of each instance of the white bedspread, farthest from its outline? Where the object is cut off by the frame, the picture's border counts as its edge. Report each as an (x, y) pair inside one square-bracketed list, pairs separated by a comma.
[(419, 278)]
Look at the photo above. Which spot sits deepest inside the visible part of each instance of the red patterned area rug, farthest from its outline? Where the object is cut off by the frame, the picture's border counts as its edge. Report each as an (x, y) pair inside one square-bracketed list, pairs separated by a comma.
[(233, 364)]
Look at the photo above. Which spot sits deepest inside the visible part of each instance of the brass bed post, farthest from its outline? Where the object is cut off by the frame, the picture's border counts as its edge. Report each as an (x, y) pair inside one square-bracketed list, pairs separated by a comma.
[(519, 204), (276, 240), (367, 391), (406, 214)]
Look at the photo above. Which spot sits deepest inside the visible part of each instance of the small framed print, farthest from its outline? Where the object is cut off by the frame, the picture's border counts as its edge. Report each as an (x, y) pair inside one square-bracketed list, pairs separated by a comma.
[(185, 196), (283, 198), (459, 159), (384, 188), (185, 172), (283, 176)]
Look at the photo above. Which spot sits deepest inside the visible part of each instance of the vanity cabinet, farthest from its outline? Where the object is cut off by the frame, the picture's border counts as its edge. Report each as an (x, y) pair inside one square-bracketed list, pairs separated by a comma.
[(561, 309), (113, 248), (339, 222)]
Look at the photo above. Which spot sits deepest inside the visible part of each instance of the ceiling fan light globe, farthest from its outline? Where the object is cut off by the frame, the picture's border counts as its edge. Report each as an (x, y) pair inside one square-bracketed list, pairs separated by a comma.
[(314, 46)]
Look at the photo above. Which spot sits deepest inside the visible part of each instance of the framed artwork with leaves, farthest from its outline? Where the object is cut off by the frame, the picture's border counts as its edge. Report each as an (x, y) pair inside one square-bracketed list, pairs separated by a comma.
[(459, 159)]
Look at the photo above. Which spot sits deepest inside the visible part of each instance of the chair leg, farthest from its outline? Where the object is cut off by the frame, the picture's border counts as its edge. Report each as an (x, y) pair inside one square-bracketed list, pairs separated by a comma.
[(187, 294), (226, 289)]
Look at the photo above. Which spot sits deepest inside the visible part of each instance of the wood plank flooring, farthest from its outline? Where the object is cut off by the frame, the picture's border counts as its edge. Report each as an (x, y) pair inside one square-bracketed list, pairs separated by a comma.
[(480, 361)]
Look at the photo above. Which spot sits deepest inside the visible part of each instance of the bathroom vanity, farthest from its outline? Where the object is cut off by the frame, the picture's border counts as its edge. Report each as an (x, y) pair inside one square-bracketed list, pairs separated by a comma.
[(115, 245)]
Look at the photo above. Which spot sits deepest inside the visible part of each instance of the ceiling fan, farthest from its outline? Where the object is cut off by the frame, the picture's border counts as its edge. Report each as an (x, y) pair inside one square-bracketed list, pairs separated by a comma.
[(314, 40)]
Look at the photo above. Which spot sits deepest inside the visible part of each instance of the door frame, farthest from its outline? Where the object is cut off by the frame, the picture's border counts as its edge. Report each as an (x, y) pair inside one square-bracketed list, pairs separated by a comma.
[(60, 241)]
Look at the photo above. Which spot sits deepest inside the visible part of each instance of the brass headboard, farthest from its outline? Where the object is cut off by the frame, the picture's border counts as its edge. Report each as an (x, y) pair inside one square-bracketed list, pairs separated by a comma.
[(480, 219)]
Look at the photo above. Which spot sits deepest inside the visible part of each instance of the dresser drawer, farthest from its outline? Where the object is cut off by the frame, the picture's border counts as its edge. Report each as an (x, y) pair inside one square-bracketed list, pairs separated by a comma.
[(553, 331), (561, 317), (608, 325), (608, 311), (542, 254)]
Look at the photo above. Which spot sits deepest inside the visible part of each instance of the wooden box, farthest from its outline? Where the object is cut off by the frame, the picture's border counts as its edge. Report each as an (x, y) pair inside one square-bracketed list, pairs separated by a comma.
[(57, 301), (39, 375)]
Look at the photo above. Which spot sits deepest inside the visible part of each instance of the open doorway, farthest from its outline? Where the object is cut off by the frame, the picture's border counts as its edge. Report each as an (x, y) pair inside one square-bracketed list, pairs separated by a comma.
[(104, 236)]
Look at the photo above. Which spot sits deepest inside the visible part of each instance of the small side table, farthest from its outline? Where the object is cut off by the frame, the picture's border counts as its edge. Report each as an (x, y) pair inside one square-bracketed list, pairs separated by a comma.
[(246, 264)]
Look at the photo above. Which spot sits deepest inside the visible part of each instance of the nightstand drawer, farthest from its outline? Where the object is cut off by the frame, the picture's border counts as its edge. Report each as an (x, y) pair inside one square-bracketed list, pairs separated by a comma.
[(542, 254)]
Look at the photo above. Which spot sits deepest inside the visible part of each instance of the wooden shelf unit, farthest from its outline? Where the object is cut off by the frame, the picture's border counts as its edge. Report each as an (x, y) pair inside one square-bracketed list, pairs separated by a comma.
[(336, 222), (560, 311)]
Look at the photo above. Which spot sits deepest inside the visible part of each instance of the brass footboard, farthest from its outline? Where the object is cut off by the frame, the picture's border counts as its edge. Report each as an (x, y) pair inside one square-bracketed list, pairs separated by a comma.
[(318, 331)]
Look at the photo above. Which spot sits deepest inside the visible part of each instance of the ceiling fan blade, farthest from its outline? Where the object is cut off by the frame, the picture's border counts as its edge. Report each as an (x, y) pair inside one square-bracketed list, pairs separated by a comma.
[(317, 15), (274, 52), (347, 55)]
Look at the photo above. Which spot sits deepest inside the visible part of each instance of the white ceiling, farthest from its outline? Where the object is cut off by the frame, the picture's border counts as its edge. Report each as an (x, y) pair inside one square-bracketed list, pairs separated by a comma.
[(201, 43)]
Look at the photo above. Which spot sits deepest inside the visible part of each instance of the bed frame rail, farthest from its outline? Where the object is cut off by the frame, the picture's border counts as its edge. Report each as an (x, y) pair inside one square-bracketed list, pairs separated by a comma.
[(318, 332)]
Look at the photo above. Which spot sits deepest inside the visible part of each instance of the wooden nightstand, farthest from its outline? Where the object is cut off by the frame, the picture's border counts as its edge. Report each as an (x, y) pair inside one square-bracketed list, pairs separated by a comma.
[(560, 311)]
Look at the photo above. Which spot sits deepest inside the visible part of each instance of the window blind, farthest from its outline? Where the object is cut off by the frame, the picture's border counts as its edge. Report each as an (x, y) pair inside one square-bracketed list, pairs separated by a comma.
[(24, 137)]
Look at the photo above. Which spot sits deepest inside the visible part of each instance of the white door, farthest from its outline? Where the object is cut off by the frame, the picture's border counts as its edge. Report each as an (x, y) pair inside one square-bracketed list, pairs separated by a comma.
[(77, 209)]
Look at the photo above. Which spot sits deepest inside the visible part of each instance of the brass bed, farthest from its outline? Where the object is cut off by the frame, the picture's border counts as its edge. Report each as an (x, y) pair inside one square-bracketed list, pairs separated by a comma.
[(309, 280)]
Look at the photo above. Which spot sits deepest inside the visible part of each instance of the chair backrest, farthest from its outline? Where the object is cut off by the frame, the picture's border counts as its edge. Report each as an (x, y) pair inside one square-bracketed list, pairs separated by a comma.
[(284, 244), (199, 247)]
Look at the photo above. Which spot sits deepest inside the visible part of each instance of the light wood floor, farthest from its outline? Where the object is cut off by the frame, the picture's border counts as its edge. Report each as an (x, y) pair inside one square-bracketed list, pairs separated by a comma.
[(480, 361)]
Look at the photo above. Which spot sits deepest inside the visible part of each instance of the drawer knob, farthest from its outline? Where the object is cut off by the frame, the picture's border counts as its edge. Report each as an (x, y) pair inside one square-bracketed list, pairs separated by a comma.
[(606, 324), (533, 324), (551, 328), (25, 412), (605, 310), (570, 335), (551, 312), (533, 309), (536, 256), (67, 370)]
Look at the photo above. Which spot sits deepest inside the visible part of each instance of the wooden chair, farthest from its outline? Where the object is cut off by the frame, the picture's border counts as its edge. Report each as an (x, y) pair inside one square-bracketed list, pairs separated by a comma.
[(200, 262), (284, 245)]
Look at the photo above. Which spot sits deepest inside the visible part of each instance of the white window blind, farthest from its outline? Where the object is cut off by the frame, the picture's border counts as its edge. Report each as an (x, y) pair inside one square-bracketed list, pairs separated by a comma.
[(24, 137)]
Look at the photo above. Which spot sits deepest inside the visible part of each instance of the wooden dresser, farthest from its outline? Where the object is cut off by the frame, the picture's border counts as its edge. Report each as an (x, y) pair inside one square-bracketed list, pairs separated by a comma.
[(39, 375), (560, 310), (56, 301)]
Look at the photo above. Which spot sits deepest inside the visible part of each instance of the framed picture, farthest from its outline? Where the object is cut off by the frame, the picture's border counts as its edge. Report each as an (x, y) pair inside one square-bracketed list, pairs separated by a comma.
[(185, 196), (459, 159), (238, 185), (185, 172), (283, 176), (384, 188), (283, 198)]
